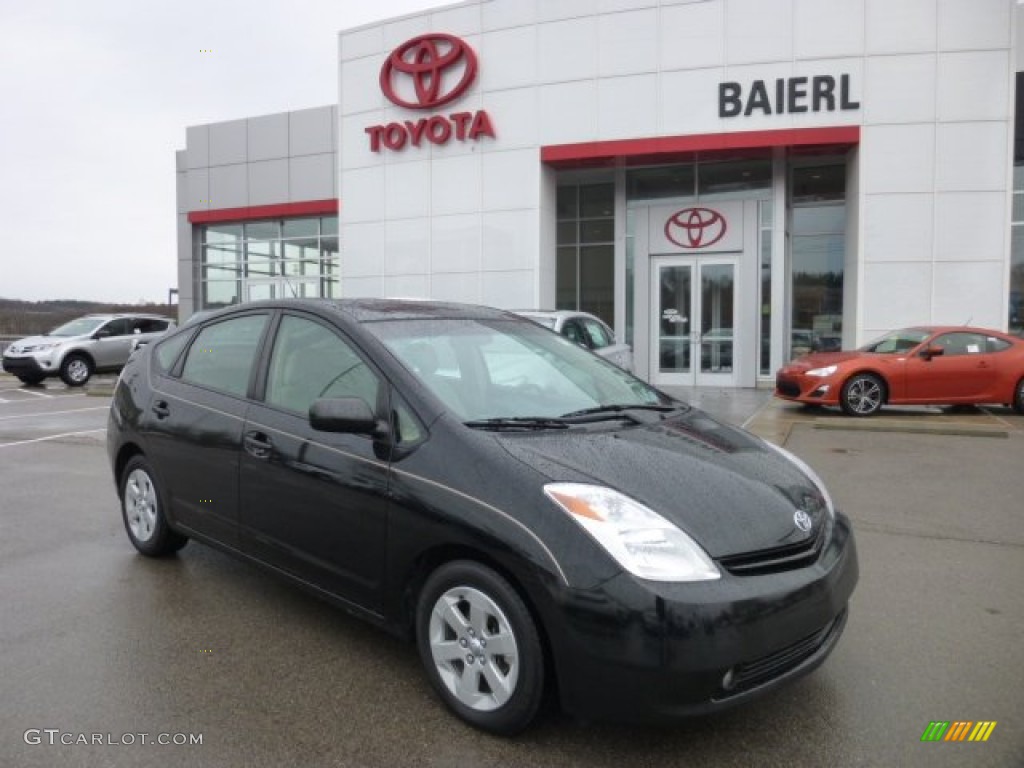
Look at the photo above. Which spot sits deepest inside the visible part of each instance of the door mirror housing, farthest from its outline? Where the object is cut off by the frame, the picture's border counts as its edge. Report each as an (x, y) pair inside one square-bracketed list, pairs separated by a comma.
[(343, 414), (929, 352), (102, 333)]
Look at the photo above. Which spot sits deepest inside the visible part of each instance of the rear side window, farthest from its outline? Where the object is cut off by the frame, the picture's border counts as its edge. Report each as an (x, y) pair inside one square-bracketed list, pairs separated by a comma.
[(995, 344), (148, 325), (222, 354), (599, 335)]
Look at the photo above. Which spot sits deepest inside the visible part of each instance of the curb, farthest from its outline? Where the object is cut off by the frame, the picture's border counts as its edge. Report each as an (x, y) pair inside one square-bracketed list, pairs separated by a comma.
[(913, 429)]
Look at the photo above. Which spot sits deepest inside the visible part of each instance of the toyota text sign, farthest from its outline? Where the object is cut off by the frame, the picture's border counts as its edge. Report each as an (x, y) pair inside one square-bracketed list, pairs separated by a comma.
[(426, 73)]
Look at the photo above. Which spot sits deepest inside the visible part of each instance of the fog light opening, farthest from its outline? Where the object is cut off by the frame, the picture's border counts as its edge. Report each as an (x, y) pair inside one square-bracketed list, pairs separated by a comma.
[(820, 391), (728, 680)]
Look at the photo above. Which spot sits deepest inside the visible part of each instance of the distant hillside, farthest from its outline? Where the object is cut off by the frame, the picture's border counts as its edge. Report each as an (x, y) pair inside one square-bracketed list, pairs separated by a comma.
[(27, 318)]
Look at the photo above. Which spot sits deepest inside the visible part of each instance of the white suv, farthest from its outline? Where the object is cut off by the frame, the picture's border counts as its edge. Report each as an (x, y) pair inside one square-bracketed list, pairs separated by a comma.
[(76, 350), (586, 330)]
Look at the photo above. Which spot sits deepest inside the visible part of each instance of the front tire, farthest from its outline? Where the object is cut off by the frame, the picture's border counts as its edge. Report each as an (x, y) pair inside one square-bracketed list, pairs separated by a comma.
[(75, 370), (480, 647), (862, 395), (32, 381), (142, 511), (1018, 398)]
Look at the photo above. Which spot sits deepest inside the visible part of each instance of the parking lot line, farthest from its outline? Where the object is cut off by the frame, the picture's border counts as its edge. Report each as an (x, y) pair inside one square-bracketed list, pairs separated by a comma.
[(52, 437), (49, 397), (33, 392), (54, 413)]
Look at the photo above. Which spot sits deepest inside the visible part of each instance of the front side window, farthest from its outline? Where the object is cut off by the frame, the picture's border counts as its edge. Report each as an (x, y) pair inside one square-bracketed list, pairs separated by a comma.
[(310, 361), (222, 355), (119, 327), (896, 342)]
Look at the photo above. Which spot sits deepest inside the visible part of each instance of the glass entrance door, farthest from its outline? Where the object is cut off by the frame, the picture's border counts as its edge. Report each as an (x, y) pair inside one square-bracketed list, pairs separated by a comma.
[(694, 321)]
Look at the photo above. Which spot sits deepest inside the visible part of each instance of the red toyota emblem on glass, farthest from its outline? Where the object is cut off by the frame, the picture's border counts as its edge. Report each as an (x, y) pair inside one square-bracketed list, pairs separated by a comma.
[(438, 67), (695, 227)]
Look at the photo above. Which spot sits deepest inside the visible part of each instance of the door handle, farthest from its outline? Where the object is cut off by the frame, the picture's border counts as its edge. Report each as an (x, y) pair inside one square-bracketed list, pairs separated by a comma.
[(160, 409), (257, 445)]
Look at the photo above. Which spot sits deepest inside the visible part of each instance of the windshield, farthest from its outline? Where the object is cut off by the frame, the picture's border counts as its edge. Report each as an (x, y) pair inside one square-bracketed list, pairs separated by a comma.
[(508, 369), (895, 342), (80, 327)]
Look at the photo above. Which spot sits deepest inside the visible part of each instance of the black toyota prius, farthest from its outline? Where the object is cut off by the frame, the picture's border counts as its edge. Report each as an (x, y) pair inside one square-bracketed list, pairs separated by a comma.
[(529, 514)]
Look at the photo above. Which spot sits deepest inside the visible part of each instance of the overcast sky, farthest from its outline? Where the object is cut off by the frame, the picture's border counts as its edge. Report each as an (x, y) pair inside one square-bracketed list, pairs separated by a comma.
[(95, 96)]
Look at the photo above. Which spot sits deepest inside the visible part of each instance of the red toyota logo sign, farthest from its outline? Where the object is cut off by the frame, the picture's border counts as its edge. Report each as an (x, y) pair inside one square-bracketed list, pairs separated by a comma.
[(695, 227), (428, 71)]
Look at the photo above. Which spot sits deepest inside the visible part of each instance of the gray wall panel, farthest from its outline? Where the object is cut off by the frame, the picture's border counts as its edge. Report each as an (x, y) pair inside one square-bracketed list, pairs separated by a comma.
[(268, 137), (229, 187), (228, 143), (311, 131), (197, 143), (268, 182), (311, 177)]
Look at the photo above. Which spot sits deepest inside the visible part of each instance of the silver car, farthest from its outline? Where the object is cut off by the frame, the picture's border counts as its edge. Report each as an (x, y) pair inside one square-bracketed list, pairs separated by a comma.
[(587, 331), (77, 349)]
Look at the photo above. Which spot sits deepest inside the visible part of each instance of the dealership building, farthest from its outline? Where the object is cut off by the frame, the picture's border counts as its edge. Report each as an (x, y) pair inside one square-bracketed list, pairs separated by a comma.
[(727, 183)]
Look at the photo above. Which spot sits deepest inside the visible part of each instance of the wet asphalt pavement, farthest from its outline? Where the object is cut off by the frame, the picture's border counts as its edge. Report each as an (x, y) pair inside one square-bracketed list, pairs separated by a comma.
[(97, 640)]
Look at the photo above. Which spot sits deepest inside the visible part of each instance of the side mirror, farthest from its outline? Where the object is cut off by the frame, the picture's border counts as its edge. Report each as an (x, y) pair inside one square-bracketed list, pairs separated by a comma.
[(929, 352), (102, 333), (343, 414)]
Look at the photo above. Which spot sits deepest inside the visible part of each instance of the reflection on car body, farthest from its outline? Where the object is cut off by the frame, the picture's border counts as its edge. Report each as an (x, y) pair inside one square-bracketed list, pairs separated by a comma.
[(939, 365), (528, 513)]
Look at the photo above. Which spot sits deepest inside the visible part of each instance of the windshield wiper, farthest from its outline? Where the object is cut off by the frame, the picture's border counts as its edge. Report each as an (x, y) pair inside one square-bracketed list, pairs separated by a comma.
[(517, 422), (620, 409)]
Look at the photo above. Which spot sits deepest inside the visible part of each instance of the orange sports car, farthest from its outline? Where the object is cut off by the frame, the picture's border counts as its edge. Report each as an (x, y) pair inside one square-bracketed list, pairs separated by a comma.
[(914, 366)]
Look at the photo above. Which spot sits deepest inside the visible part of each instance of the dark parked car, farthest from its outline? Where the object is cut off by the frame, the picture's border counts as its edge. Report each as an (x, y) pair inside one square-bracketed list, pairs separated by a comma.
[(527, 512)]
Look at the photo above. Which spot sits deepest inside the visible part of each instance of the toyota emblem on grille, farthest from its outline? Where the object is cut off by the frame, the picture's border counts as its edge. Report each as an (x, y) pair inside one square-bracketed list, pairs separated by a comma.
[(695, 227), (429, 63), (802, 520)]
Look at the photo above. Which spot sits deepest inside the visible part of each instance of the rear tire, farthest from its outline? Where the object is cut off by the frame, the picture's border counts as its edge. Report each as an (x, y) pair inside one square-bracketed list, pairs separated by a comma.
[(480, 647), (1018, 398), (862, 395), (142, 509), (75, 370)]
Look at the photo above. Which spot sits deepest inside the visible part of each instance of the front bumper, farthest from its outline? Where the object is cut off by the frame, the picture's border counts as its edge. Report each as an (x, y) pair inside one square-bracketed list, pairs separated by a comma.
[(28, 366), (636, 650), (801, 388)]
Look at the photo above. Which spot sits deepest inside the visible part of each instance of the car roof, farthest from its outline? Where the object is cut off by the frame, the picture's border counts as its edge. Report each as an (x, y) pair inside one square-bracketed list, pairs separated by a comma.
[(561, 313), (118, 315), (374, 310)]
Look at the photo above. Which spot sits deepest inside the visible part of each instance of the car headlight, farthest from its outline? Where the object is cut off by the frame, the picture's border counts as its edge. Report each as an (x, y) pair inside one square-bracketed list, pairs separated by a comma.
[(806, 469), (641, 541), (41, 347), (828, 370)]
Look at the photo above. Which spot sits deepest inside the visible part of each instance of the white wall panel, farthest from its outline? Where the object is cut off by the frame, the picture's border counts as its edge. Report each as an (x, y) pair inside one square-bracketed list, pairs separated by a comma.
[(311, 177), (900, 89), (360, 85), (970, 292), (898, 227), (361, 42), (228, 142), (355, 142), (359, 287), (362, 195), (972, 24), (455, 185), (689, 102), (402, 29), (514, 115), (567, 50), (363, 253), (827, 28), (906, 26), (229, 186), (897, 158), (268, 182), (500, 14), (974, 85), (267, 137), (568, 112), (406, 190), (553, 10), (509, 240), (970, 225), (758, 31), (835, 68), (627, 107), (407, 286), (511, 180), (745, 75), (455, 243), (508, 58), (407, 247), (692, 36), (610, 6), (971, 156), (896, 295), (628, 43), (453, 286), (508, 290), (458, 20)]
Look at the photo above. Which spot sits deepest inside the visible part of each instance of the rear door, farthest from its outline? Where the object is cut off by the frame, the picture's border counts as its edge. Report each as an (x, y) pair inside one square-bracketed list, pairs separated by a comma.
[(195, 420), (315, 503)]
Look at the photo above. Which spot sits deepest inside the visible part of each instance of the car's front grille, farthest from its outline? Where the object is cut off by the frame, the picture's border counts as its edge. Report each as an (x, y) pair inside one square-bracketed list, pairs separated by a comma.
[(787, 387), (784, 558), (753, 673)]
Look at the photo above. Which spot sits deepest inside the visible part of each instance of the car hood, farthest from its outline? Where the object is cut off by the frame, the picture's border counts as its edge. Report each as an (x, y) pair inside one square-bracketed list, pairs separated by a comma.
[(821, 359), (726, 488), (31, 341)]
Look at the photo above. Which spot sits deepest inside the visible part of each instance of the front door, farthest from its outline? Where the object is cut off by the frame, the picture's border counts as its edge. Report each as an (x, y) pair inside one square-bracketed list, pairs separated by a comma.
[(694, 321)]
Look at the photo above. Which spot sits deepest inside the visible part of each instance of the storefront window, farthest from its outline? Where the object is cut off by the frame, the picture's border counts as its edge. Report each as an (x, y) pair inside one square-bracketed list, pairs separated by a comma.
[(1015, 321), (765, 232), (817, 255), (268, 259), (585, 268)]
